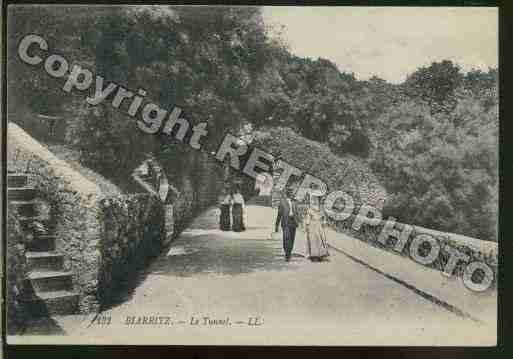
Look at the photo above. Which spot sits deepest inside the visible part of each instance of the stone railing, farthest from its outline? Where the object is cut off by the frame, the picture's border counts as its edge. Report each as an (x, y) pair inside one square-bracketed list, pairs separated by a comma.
[(475, 249)]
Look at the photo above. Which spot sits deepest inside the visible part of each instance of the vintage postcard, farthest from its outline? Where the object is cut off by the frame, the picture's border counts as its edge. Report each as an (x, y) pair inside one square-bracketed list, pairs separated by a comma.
[(218, 175)]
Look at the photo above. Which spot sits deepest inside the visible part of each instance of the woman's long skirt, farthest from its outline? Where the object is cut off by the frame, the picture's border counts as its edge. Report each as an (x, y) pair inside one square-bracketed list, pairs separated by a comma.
[(238, 223), (317, 245), (224, 220)]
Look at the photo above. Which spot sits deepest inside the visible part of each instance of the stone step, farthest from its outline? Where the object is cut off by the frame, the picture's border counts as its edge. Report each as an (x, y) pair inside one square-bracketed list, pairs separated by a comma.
[(60, 302), (16, 180), (21, 193), (49, 281), (45, 261), (42, 243), (25, 208)]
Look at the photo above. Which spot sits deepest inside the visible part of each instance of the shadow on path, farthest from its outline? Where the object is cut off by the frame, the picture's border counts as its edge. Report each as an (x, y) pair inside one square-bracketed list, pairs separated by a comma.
[(204, 249), (227, 254)]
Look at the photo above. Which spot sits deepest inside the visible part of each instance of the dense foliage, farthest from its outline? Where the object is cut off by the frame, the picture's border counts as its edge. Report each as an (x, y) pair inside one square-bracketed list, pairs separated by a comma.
[(440, 166), (347, 173), (431, 139)]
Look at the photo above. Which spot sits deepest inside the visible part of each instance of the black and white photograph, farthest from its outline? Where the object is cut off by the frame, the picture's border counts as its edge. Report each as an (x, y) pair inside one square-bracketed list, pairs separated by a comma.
[(251, 175)]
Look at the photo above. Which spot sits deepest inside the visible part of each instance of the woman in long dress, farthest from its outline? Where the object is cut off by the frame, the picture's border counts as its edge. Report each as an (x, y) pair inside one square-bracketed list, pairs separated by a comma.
[(224, 218), (238, 212), (316, 243)]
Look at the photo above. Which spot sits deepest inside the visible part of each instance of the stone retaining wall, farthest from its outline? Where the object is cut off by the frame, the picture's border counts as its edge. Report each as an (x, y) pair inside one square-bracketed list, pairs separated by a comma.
[(97, 234), (16, 274), (133, 232), (76, 216)]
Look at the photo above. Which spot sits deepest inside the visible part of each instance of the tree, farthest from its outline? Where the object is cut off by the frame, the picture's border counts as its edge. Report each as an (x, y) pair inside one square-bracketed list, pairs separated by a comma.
[(435, 85), (440, 169)]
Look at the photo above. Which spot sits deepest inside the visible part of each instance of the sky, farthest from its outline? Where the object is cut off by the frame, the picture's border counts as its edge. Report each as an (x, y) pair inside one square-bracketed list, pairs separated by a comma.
[(389, 42)]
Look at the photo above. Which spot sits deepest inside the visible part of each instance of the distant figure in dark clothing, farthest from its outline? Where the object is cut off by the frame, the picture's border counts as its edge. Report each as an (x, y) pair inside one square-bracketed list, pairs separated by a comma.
[(238, 212), (287, 217), (225, 216)]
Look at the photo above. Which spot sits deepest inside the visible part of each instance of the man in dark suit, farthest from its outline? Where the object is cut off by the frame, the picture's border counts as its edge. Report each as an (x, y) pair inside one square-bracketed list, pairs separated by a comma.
[(287, 216)]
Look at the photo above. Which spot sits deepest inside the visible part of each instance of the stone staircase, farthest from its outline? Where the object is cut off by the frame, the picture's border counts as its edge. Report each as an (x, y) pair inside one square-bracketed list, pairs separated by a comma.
[(48, 289)]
